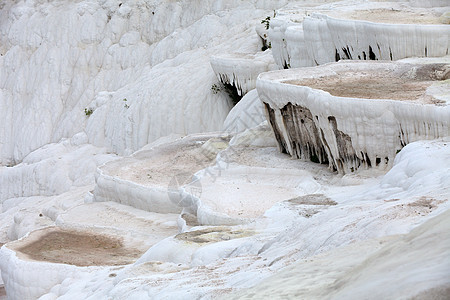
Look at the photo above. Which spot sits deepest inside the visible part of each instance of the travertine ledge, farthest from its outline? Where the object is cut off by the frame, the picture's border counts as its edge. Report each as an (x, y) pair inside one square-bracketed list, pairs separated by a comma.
[(368, 31), (321, 113)]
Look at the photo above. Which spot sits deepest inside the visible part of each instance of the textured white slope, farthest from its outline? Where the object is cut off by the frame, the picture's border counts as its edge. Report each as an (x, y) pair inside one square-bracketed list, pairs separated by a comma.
[(424, 268), (22, 215), (428, 3), (214, 260), (176, 106), (360, 269), (58, 57), (53, 169), (246, 114)]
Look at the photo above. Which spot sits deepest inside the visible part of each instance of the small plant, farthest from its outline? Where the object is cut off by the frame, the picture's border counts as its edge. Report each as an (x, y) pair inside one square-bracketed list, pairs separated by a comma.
[(266, 22), (215, 88), (227, 88), (125, 105), (88, 112)]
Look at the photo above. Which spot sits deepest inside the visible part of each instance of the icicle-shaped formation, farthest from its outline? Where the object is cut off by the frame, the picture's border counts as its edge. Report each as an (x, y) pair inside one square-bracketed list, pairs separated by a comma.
[(241, 70), (277, 37), (358, 127), (330, 39), (367, 31)]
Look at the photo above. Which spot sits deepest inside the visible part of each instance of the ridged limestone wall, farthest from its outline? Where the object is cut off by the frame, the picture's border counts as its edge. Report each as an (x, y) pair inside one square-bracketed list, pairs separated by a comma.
[(348, 132)]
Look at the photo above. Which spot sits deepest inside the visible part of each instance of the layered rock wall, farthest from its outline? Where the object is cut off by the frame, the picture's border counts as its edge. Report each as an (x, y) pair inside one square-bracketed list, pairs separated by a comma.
[(346, 132)]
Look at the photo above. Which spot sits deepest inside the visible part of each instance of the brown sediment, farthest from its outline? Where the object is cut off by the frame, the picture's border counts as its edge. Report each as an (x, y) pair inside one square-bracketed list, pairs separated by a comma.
[(2, 292), (159, 165), (77, 248), (312, 199), (392, 16), (304, 134), (372, 86), (212, 234)]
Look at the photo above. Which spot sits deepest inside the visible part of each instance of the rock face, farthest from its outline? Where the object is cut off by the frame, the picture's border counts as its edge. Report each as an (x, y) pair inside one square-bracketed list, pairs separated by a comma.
[(326, 114), (206, 214), (240, 70), (68, 67), (365, 40), (145, 179), (370, 31)]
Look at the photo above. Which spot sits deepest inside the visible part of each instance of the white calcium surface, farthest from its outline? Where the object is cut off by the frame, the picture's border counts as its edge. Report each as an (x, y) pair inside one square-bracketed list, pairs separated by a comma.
[(93, 93)]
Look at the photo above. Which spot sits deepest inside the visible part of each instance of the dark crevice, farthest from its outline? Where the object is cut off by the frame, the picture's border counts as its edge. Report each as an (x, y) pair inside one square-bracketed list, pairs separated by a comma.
[(265, 45), (232, 92), (330, 157), (366, 157), (277, 132), (313, 157), (371, 54), (303, 132), (346, 152), (337, 57), (347, 52), (303, 138)]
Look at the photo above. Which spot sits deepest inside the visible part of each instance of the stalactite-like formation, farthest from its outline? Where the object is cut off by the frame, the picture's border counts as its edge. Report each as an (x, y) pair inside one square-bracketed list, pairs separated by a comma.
[(352, 132)]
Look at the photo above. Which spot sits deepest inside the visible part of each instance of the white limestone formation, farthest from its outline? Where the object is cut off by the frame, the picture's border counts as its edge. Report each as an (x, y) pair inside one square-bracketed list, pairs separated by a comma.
[(123, 175), (240, 70), (53, 169), (151, 178), (400, 35), (356, 114), (366, 31), (59, 58), (246, 114)]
